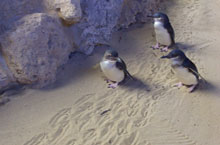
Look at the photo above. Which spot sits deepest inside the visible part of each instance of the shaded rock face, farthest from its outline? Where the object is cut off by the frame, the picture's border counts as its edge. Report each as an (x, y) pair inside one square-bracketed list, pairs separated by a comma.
[(6, 77), (35, 48)]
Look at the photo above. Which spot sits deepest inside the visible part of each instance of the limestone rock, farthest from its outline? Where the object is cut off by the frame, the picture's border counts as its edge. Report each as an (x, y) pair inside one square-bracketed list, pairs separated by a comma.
[(136, 11), (34, 44), (35, 48), (13, 10), (102, 17), (99, 19), (68, 10), (6, 77), (95, 20)]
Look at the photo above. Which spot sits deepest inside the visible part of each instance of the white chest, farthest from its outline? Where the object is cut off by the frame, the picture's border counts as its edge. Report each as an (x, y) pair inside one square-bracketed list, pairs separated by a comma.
[(162, 34), (185, 76), (111, 72)]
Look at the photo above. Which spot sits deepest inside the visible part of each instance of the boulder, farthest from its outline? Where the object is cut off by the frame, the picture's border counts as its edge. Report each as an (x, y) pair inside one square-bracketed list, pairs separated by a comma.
[(7, 79), (35, 44), (95, 20), (102, 17), (35, 48), (136, 11), (13, 10), (68, 10)]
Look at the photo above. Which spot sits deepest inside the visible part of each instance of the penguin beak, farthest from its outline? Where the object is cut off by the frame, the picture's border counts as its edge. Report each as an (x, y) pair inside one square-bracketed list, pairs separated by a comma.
[(165, 56), (150, 16)]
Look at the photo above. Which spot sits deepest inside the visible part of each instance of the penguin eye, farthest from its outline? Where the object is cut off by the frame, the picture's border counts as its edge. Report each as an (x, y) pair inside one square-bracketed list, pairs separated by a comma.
[(160, 18), (176, 56), (173, 55)]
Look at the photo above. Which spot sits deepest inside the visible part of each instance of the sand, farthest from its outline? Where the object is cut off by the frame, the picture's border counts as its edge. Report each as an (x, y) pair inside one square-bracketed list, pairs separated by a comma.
[(79, 109)]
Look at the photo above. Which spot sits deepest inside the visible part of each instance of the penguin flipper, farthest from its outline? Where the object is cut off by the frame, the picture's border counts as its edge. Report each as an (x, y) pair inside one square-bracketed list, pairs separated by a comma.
[(120, 64), (170, 30), (199, 75), (191, 67), (194, 70)]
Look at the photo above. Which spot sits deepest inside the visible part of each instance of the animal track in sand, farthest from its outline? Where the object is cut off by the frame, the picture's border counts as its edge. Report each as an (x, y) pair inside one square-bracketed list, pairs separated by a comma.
[(60, 117), (37, 140), (84, 98), (71, 142), (87, 123), (59, 132), (167, 135), (132, 139)]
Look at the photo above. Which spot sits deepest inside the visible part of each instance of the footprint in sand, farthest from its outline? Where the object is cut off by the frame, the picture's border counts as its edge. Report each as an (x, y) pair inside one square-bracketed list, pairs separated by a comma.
[(37, 140)]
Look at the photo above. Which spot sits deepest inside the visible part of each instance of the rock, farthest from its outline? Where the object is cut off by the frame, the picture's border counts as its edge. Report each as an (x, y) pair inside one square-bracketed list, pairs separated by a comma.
[(99, 19), (7, 79), (95, 20), (68, 10), (102, 17), (35, 45), (134, 11), (13, 10), (35, 48)]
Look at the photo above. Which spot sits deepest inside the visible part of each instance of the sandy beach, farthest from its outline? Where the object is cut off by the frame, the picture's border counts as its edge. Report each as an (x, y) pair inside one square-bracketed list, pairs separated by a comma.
[(79, 109)]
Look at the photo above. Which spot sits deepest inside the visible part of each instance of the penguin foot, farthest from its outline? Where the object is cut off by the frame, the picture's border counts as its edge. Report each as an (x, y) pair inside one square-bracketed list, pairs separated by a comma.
[(113, 86), (178, 85), (165, 49), (107, 80), (192, 88), (157, 46)]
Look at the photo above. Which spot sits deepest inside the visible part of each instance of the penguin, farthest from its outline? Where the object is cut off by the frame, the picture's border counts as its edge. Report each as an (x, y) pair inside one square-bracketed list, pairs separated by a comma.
[(114, 68), (164, 31), (184, 69)]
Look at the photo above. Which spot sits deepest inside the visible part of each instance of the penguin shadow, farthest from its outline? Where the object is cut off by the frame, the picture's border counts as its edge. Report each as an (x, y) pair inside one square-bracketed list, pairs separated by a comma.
[(208, 87), (135, 84), (184, 46)]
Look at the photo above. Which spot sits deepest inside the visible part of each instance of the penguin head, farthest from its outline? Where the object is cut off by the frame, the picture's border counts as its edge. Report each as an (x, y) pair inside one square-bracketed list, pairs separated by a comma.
[(176, 54), (159, 16), (111, 54)]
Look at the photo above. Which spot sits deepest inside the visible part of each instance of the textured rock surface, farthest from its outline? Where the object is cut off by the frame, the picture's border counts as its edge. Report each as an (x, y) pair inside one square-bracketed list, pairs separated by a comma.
[(35, 44), (35, 48), (100, 19), (136, 11), (69, 10), (13, 10), (97, 18), (6, 77)]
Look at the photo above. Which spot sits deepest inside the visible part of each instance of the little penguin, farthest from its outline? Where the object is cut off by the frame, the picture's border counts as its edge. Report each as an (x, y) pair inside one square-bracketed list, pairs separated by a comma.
[(114, 68), (163, 30), (184, 69)]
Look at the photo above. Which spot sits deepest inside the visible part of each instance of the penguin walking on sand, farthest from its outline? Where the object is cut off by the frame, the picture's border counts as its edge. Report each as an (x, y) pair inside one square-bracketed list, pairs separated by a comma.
[(114, 68), (184, 69), (163, 30)]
